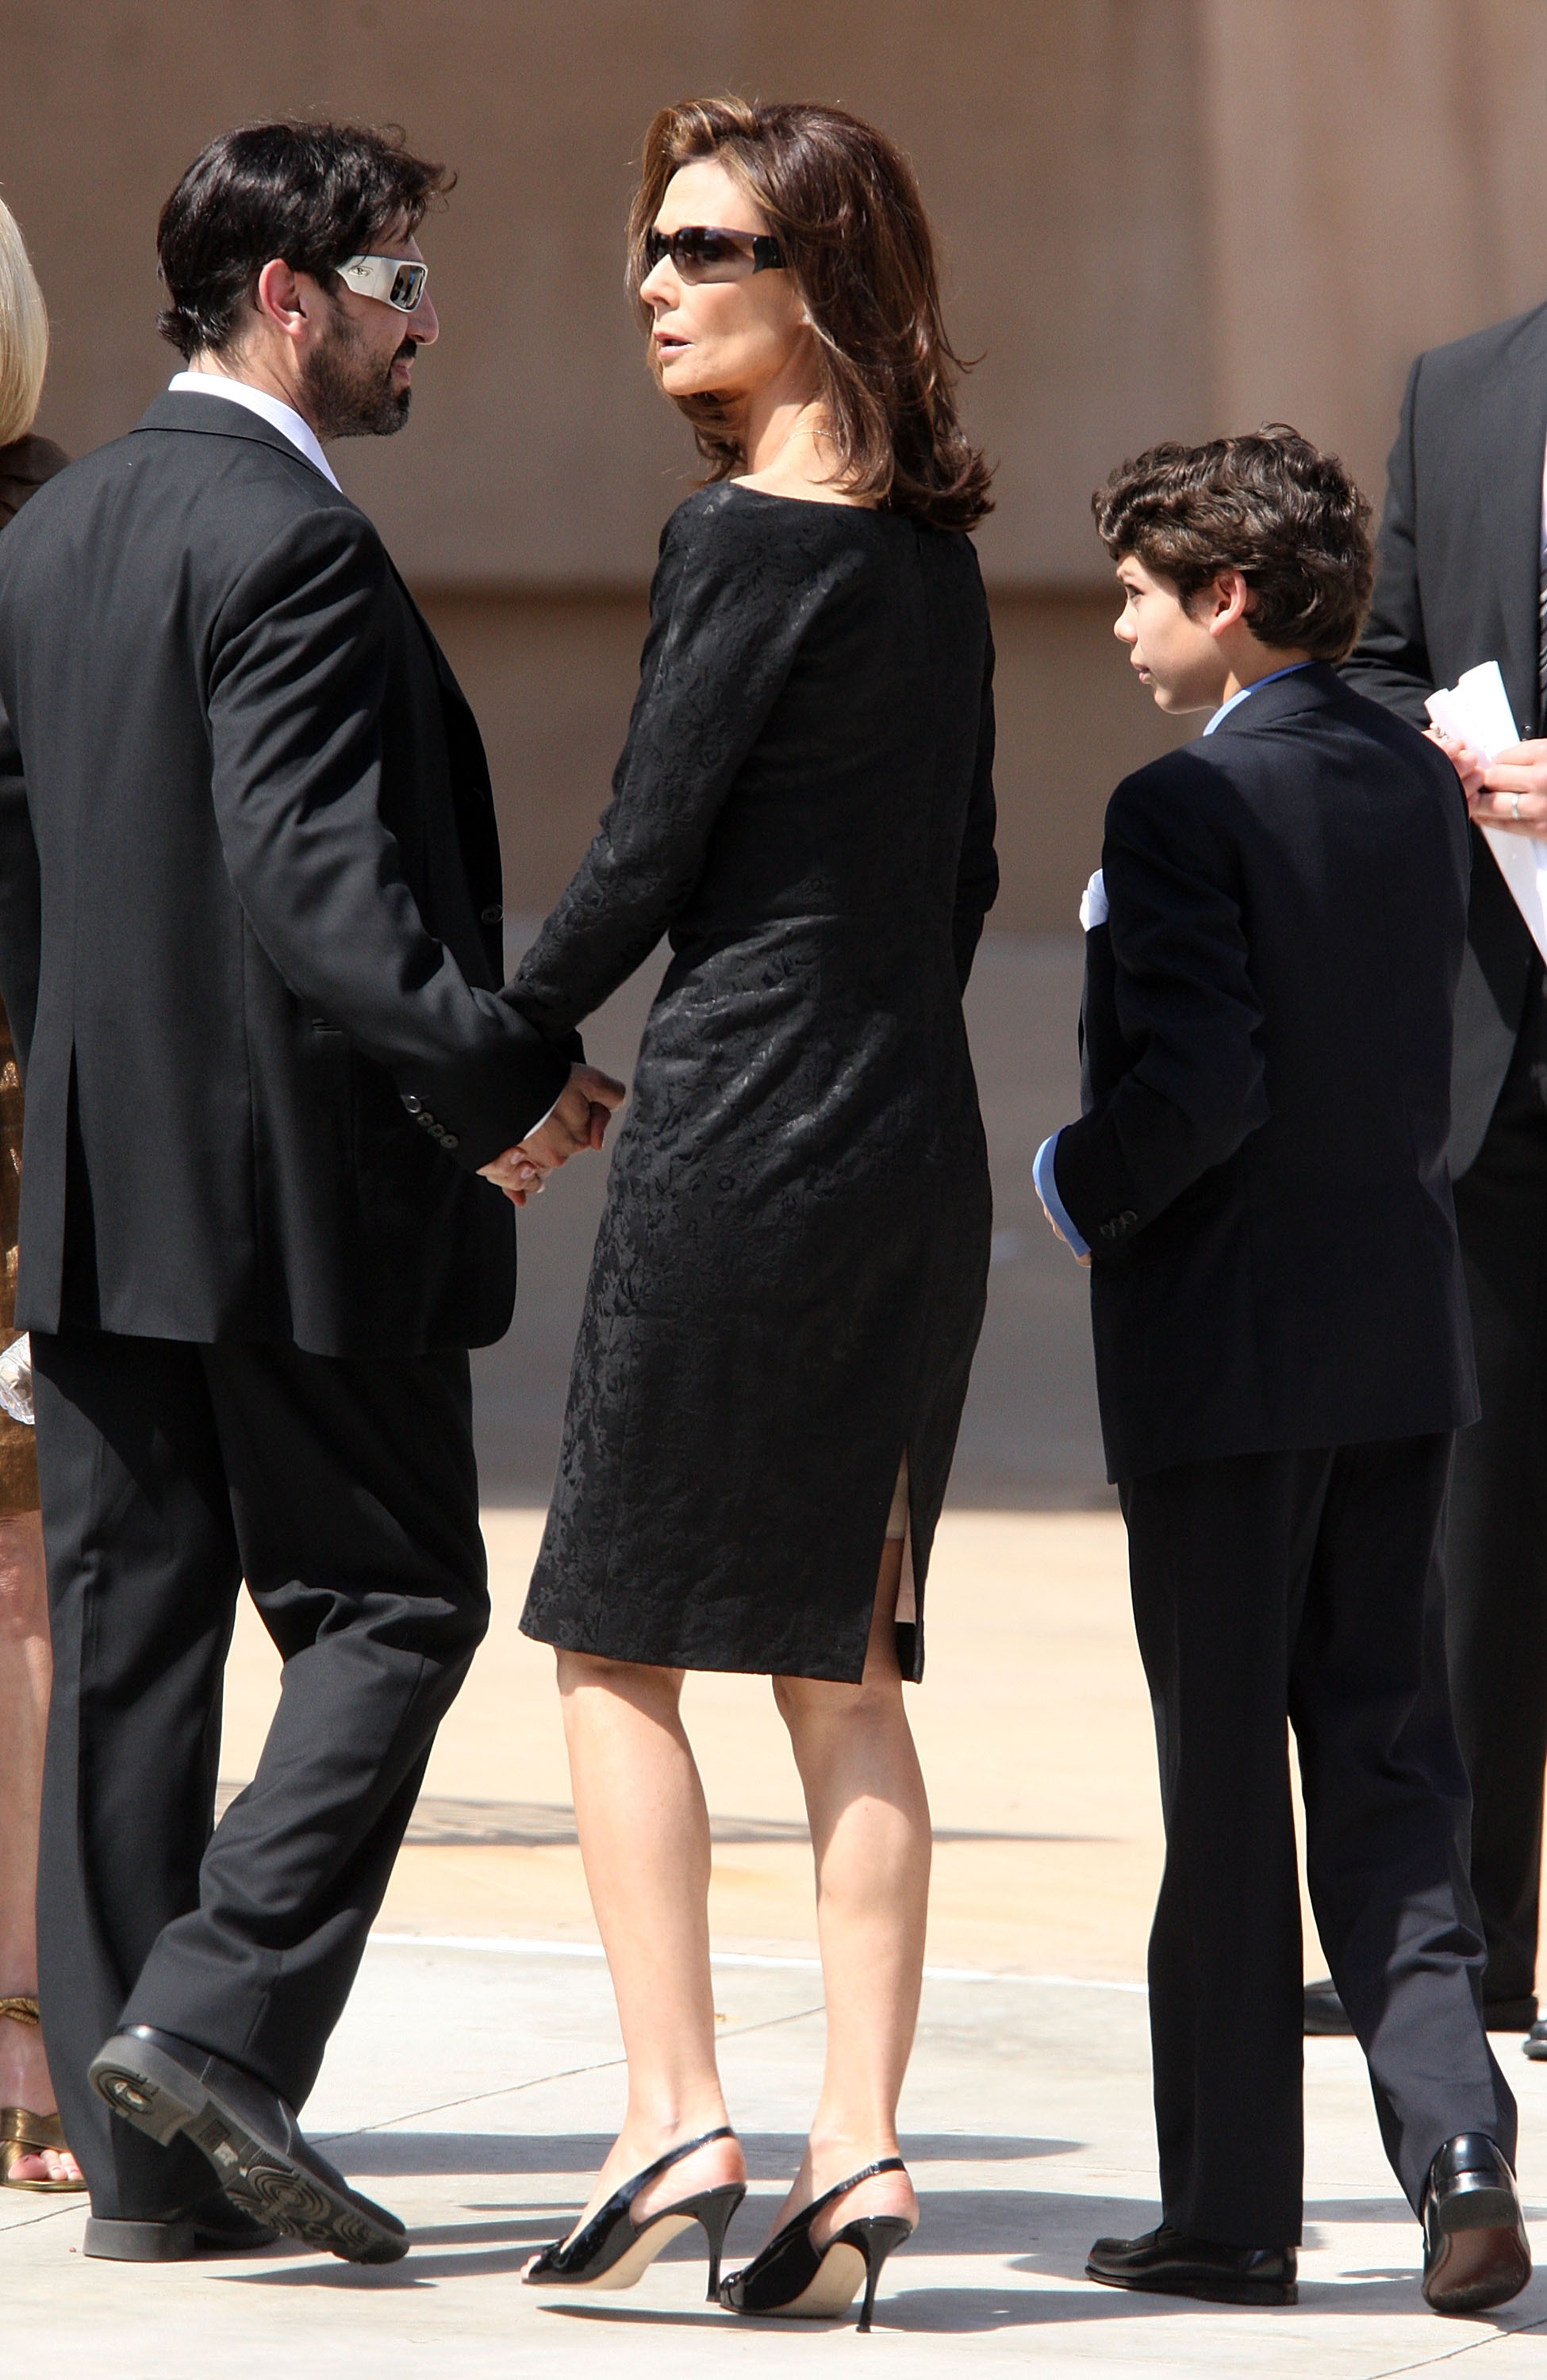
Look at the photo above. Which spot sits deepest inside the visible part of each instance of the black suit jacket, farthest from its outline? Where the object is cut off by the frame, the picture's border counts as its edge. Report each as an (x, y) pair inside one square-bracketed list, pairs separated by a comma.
[(1260, 1170), (250, 913), (1458, 565)]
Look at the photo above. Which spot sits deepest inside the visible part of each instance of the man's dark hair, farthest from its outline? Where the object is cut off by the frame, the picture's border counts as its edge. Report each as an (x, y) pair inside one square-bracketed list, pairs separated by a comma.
[(1271, 505), (312, 194)]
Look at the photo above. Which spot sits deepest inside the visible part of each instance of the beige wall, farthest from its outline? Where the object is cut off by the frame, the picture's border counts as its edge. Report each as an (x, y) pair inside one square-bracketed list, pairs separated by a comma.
[(1159, 217)]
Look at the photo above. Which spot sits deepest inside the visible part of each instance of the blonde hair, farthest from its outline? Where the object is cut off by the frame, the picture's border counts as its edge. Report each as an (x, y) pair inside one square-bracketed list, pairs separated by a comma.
[(23, 333)]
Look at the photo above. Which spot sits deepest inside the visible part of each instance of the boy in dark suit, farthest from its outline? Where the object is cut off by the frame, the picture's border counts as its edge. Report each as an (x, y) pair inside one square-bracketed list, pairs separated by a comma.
[(1281, 1351)]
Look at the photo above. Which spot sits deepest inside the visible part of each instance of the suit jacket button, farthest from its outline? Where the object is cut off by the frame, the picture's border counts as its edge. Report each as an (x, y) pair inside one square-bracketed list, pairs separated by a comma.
[(412, 1104), (1127, 1220), (494, 914), (449, 1140)]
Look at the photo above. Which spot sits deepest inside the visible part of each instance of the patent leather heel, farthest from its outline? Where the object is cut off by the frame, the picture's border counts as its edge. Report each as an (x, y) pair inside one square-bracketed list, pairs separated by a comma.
[(792, 2275), (875, 2236), (714, 2209), (612, 2251)]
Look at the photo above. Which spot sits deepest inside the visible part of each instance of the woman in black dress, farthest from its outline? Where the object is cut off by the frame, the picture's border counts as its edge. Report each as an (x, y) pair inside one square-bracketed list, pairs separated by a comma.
[(789, 1278)]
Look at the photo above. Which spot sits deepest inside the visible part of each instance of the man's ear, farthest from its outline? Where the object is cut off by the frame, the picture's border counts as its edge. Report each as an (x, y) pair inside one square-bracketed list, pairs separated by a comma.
[(280, 298)]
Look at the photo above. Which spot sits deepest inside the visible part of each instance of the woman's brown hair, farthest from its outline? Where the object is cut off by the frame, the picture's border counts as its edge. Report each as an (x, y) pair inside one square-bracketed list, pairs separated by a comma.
[(845, 207)]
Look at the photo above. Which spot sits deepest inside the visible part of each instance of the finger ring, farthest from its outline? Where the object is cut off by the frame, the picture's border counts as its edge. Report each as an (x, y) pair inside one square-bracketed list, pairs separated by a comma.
[(1515, 806)]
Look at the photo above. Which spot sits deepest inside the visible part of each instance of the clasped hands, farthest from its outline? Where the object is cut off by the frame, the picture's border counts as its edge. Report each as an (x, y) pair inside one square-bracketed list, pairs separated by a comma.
[(578, 1120), (1509, 791)]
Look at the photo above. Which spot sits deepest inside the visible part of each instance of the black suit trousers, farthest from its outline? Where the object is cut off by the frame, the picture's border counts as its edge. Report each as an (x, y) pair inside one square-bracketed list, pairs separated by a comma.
[(345, 1491), (1303, 1588), (1495, 1539)]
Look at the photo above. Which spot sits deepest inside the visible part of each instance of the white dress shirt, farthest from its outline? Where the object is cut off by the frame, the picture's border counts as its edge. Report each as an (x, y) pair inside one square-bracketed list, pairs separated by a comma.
[(272, 409)]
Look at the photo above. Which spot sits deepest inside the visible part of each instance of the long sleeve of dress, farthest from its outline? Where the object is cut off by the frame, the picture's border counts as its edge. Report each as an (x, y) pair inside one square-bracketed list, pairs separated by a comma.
[(977, 873), (727, 615)]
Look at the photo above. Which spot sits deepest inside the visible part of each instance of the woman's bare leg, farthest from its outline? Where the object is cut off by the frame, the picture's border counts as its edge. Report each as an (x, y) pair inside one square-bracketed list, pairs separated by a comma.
[(26, 1667), (643, 1826), (870, 1824)]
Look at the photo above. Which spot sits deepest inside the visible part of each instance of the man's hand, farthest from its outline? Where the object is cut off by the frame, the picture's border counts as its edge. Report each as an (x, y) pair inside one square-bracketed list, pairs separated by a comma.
[(1467, 763), (579, 1120), (1512, 790)]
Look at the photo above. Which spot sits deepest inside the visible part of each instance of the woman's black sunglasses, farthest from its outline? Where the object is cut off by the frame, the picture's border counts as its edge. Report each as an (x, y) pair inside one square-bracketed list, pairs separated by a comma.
[(704, 252)]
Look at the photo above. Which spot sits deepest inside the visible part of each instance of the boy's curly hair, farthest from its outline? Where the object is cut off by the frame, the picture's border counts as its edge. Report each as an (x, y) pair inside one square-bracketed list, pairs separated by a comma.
[(1271, 505)]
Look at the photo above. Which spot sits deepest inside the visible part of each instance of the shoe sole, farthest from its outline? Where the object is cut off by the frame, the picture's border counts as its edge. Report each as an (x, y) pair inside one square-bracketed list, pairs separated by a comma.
[(1484, 2260), (163, 2099), (633, 2262), (1245, 2293), (832, 2290), (123, 2242)]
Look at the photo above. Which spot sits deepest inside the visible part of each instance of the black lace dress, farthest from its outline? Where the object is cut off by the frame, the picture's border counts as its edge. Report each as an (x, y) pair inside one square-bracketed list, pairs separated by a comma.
[(789, 1278)]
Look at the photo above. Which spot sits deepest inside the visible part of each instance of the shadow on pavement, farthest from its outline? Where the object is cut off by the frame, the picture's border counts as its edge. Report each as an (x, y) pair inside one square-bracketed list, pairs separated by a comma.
[(770, 2155)]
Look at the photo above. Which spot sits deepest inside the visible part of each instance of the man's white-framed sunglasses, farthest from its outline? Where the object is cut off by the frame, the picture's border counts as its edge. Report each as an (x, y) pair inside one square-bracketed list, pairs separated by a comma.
[(391, 279)]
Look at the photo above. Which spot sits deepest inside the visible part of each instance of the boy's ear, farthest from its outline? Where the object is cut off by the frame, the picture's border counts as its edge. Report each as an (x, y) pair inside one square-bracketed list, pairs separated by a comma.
[(1229, 600)]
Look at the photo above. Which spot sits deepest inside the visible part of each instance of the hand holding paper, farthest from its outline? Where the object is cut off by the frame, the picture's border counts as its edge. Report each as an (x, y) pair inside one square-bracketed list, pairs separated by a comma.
[(1512, 810)]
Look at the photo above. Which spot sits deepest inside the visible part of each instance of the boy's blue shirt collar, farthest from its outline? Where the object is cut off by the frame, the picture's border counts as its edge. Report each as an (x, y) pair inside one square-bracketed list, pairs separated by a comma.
[(1226, 708)]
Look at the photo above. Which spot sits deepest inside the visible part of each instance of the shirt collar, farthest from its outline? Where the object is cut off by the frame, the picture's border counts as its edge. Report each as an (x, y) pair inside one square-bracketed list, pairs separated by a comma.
[(279, 416), (1226, 708)]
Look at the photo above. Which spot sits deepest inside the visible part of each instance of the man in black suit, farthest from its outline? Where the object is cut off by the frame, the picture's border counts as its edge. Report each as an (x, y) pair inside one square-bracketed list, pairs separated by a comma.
[(1459, 579), (1282, 1354), (249, 942)]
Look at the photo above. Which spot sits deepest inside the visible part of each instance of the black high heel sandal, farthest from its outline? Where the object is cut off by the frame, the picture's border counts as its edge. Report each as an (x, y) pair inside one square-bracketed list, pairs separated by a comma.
[(792, 2275), (612, 2251)]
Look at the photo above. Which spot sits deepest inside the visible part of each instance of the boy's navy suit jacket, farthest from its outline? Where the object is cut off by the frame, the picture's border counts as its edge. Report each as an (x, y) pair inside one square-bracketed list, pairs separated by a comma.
[(1260, 1167)]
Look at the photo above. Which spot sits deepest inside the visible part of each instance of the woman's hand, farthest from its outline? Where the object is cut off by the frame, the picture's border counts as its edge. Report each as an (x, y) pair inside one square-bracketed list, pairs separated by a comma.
[(578, 1120)]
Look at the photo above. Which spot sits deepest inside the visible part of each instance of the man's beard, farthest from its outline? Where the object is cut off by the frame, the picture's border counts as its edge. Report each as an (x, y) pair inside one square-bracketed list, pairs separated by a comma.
[(350, 394)]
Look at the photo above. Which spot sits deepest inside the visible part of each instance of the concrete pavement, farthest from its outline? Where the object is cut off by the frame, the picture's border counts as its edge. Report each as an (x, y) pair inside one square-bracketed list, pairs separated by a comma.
[(474, 2090), (476, 2078)]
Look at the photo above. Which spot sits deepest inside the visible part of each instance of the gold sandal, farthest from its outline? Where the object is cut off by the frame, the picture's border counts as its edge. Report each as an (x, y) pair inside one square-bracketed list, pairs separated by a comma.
[(23, 2134)]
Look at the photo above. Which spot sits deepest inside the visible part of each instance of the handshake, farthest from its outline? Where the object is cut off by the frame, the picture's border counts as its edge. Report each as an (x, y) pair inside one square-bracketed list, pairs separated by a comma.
[(578, 1119)]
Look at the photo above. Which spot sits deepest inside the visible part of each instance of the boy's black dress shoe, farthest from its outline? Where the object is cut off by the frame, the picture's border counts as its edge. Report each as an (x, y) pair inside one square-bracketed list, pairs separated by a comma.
[(1476, 2253), (164, 2085), (214, 2227), (1175, 2265), (1324, 2012), (1535, 2043)]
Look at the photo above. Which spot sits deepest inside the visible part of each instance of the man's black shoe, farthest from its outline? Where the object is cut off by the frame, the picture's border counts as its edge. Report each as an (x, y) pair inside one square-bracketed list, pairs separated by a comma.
[(214, 2227), (1174, 2265), (164, 2085), (1535, 2043), (1324, 2012), (1476, 2253)]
